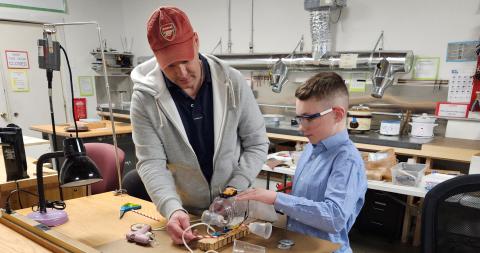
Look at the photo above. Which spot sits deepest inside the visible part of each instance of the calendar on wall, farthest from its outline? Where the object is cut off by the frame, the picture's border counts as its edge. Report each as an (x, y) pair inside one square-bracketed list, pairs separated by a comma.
[(460, 86)]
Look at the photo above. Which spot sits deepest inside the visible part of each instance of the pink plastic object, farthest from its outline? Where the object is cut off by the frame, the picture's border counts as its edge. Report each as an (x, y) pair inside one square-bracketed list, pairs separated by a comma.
[(51, 218), (141, 236)]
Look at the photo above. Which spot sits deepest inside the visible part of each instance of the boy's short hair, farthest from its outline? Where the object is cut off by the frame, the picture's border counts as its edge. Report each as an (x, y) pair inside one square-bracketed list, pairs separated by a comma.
[(324, 86)]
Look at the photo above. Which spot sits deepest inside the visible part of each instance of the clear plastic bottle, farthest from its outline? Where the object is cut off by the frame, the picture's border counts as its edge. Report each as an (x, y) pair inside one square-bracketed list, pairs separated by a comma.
[(225, 212)]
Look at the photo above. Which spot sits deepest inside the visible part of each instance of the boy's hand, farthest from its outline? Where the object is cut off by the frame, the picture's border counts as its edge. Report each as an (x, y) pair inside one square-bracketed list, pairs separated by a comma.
[(262, 195)]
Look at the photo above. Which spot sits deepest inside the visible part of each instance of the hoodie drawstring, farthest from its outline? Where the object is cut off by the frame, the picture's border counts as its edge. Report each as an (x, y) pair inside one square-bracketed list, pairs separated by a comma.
[(231, 93), (159, 111)]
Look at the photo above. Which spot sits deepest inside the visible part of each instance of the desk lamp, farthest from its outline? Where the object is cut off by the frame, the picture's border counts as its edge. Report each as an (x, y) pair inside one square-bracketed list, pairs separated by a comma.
[(77, 170), (49, 59)]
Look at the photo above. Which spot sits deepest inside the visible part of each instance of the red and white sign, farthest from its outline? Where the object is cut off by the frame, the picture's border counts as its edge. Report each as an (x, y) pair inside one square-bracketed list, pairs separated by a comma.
[(457, 110), (17, 59), (80, 108)]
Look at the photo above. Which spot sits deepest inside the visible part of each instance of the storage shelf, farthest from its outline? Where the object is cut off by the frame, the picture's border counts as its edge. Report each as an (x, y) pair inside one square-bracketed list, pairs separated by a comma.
[(111, 53)]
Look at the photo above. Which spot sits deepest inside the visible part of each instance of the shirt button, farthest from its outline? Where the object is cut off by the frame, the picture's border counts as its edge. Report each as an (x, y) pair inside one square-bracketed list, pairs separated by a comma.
[(192, 105)]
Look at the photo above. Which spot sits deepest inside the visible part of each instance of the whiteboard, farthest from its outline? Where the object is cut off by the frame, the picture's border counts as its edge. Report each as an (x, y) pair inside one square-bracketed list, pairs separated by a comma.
[(44, 5)]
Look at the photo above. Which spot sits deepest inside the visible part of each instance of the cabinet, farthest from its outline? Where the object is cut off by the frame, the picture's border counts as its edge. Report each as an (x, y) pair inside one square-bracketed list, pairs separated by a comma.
[(117, 63), (382, 214), (119, 66)]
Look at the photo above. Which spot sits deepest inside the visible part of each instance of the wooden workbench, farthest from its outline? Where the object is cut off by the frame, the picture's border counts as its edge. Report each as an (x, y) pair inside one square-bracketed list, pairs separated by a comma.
[(450, 149), (93, 221), (120, 128), (12, 242), (440, 148)]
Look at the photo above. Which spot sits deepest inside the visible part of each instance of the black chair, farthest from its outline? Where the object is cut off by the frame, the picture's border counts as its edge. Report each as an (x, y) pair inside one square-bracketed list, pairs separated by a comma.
[(451, 216), (134, 185)]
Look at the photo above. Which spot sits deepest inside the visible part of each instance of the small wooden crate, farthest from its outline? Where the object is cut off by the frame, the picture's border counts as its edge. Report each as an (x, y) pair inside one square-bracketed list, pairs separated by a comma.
[(206, 244)]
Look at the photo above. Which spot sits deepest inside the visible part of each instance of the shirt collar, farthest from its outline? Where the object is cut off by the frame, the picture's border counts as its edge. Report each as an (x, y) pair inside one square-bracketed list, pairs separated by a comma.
[(331, 141)]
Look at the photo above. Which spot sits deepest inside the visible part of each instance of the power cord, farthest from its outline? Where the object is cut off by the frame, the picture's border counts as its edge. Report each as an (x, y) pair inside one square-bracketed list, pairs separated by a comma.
[(8, 204), (17, 185), (71, 89), (58, 204), (209, 228)]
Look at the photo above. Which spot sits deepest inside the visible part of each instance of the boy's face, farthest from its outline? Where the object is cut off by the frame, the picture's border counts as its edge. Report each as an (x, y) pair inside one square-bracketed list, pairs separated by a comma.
[(319, 128)]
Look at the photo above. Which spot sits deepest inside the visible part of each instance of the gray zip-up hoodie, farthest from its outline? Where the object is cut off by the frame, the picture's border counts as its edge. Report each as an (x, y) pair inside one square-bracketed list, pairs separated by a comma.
[(167, 163)]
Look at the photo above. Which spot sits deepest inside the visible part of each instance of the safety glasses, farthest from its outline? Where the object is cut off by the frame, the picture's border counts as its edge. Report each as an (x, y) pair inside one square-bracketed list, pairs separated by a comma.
[(307, 118)]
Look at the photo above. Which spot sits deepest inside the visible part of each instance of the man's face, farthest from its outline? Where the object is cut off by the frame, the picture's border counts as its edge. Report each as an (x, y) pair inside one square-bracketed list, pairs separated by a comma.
[(316, 129), (185, 74)]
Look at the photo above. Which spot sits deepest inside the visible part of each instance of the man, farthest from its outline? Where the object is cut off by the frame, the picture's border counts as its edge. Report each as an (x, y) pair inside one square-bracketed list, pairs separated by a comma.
[(197, 128), (330, 183)]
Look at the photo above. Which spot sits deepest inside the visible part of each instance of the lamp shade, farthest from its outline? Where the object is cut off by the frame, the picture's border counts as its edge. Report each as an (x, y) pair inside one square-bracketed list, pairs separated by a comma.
[(78, 169)]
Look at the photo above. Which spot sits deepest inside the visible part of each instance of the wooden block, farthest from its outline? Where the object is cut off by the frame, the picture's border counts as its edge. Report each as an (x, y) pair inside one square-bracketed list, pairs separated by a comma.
[(206, 244), (93, 124)]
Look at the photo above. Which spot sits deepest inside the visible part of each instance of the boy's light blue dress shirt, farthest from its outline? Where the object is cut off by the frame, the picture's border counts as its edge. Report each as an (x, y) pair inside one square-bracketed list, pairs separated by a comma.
[(328, 191)]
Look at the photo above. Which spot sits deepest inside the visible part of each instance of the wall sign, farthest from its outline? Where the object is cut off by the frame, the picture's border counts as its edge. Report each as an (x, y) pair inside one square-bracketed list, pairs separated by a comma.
[(19, 80), (85, 85), (426, 68), (462, 51), (17, 59)]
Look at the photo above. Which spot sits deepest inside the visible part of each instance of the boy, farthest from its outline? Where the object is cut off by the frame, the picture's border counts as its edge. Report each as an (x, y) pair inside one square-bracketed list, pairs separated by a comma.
[(330, 183)]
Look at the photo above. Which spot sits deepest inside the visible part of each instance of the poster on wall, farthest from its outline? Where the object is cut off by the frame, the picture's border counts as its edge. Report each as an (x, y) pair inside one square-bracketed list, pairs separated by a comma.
[(19, 80), (17, 59), (426, 68), (85, 85)]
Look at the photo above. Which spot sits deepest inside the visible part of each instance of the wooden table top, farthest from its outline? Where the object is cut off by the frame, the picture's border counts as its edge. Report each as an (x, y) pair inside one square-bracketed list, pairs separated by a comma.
[(13, 242), (441, 148), (120, 128), (94, 221)]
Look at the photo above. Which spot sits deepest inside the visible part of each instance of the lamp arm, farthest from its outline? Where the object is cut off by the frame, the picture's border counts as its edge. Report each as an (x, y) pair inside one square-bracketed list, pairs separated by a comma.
[(41, 191)]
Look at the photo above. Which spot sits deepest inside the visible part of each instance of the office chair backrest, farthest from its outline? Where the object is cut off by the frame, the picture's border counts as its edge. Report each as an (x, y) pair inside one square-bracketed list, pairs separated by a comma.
[(103, 155), (134, 185), (451, 216)]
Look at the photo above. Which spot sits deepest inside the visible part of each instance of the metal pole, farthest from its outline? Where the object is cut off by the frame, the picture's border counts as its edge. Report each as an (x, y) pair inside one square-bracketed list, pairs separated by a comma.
[(229, 44), (251, 33)]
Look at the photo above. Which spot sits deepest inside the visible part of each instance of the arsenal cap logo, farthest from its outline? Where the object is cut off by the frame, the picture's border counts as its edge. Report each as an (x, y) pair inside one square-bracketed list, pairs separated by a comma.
[(168, 31)]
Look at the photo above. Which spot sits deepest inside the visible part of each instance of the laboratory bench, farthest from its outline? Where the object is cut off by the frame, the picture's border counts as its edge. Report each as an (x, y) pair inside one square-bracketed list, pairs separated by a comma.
[(430, 151), (391, 209), (94, 226)]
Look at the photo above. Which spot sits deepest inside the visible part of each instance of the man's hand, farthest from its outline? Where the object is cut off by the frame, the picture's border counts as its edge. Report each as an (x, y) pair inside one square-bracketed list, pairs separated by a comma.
[(177, 223), (262, 195)]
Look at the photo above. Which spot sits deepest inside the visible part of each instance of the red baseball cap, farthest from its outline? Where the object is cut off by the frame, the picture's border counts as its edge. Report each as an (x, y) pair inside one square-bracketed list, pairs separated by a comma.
[(171, 36)]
